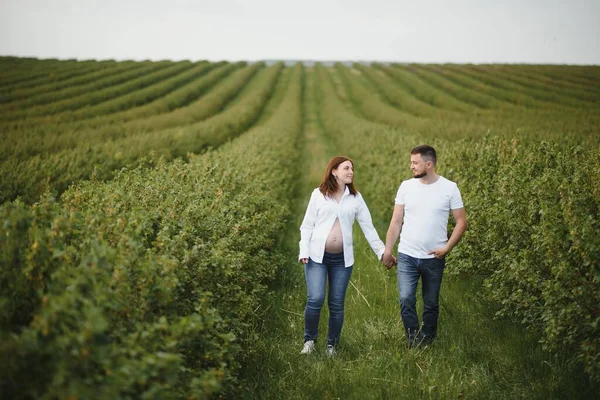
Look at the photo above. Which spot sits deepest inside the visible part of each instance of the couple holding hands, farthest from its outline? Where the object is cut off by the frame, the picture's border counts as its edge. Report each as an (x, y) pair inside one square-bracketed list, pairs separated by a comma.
[(420, 220)]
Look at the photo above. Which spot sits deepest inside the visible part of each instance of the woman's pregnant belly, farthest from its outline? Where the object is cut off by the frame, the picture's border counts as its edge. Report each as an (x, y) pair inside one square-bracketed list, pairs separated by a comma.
[(335, 243)]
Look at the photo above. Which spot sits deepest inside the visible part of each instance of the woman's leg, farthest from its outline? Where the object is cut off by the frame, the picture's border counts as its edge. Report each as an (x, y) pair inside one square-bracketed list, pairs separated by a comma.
[(316, 276), (339, 277)]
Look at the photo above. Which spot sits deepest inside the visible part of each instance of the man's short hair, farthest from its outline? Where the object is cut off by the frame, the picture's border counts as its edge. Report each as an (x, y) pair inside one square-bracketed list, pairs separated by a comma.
[(426, 152)]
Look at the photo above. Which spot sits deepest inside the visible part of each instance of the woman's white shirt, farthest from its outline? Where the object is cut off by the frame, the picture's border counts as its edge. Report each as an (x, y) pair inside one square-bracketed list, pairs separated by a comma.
[(320, 217)]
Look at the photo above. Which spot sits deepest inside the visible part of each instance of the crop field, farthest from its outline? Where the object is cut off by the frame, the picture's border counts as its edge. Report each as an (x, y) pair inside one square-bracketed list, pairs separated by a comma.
[(150, 217)]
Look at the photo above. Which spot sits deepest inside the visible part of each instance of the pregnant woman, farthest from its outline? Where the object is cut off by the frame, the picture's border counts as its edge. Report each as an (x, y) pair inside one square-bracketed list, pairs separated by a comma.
[(326, 248)]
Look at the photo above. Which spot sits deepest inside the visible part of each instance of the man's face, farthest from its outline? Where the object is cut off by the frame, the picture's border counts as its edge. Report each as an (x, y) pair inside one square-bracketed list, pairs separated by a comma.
[(418, 166)]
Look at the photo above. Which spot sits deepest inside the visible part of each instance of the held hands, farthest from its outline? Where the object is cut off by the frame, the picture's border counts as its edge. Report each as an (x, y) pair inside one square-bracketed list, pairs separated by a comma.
[(388, 260)]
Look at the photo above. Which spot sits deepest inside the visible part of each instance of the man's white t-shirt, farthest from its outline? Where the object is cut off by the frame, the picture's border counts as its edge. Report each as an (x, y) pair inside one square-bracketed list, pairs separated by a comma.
[(426, 211)]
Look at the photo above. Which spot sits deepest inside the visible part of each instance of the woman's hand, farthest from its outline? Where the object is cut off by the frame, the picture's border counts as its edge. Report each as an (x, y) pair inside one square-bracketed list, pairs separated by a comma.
[(304, 260)]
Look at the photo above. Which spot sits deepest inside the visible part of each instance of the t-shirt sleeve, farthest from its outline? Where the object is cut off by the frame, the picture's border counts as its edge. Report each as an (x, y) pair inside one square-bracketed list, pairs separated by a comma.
[(400, 194), (456, 199)]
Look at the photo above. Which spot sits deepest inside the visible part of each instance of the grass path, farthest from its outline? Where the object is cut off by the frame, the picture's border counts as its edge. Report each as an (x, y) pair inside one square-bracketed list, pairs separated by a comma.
[(474, 355)]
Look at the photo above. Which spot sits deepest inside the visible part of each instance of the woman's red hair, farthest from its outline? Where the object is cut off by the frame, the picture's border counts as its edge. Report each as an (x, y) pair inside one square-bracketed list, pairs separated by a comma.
[(329, 185)]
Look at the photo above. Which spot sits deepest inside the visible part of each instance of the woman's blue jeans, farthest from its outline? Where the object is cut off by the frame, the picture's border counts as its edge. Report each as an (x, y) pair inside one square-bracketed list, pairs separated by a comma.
[(430, 270), (317, 275)]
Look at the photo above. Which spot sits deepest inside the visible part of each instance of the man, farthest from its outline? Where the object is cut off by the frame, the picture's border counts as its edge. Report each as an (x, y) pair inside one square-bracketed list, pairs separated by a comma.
[(421, 214)]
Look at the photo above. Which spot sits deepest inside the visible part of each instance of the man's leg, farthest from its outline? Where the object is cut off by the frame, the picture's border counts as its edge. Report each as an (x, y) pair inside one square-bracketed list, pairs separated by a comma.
[(432, 270), (408, 277)]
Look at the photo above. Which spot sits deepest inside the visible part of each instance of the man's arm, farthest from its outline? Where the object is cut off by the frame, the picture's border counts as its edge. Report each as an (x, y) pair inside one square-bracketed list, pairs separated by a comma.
[(392, 236), (460, 216)]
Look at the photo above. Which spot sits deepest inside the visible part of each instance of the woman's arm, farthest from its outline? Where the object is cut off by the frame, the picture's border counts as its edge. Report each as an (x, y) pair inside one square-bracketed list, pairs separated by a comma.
[(306, 228)]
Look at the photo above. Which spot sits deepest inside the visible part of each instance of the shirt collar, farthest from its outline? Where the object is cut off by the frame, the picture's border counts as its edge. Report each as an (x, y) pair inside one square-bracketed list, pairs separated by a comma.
[(346, 193)]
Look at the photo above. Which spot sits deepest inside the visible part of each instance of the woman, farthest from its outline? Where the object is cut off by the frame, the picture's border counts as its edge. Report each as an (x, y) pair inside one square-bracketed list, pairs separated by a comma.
[(326, 248)]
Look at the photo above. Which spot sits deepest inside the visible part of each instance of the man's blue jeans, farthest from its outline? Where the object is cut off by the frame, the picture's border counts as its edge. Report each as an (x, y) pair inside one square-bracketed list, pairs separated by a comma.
[(430, 270), (316, 275)]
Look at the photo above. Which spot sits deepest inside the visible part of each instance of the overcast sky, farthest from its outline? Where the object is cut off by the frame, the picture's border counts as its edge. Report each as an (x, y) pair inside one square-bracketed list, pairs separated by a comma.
[(460, 31)]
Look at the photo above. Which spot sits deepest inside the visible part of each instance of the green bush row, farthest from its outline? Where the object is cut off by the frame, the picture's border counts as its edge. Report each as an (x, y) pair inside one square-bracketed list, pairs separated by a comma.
[(554, 82), (534, 216), (398, 96), (19, 78), (369, 103), (424, 91), (582, 75), (147, 286), (142, 96), (207, 105), (471, 95), (448, 124), (514, 95), (177, 98), (539, 90), (26, 142), (507, 90), (566, 125), (65, 88), (31, 177), (137, 79)]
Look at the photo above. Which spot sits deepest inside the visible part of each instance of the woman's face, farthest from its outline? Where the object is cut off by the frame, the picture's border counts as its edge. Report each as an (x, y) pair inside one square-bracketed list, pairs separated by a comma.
[(344, 173)]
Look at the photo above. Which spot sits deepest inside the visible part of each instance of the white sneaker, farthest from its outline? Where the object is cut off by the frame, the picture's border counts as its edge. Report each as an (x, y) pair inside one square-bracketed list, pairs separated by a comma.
[(330, 350), (308, 348)]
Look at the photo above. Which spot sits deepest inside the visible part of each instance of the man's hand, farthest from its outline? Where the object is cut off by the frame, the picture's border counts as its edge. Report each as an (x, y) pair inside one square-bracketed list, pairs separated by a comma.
[(304, 260), (388, 260), (440, 252), (392, 236)]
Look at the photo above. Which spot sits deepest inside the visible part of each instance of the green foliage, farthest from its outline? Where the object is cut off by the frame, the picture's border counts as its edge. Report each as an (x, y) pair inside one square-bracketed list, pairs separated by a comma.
[(85, 317), (532, 233), (398, 96), (62, 89), (424, 91), (546, 89), (131, 80), (369, 103), (53, 137), (58, 170), (29, 74), (146, 286), (476, 96), (145, 280), (533, 211)]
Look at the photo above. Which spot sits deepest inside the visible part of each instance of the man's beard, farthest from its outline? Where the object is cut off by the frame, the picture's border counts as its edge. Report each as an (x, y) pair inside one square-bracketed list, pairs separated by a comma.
[(421, 175)]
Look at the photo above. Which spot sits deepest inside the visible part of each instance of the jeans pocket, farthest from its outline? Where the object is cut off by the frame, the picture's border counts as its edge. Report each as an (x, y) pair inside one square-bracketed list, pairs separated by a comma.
[(437, 264)]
